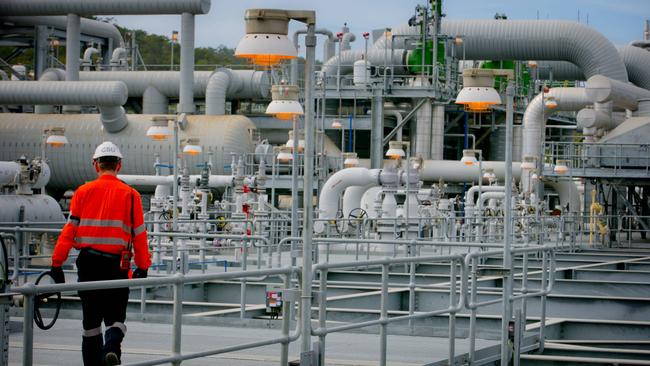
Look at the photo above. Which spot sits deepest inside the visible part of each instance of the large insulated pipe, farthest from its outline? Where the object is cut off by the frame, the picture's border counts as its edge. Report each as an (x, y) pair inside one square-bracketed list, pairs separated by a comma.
[(470, 198), (107, 96), (534, 122), (636, 61), (437, 131), (71, 165), (72, 47), (154, 102), (234, 83), (186, 102), (103, 7), (214, 181), (528, 40), (166, 82), (377, 129), (328, 202), (457, 172), (88, 26), (601, 89), (119, 59), (49, 75)]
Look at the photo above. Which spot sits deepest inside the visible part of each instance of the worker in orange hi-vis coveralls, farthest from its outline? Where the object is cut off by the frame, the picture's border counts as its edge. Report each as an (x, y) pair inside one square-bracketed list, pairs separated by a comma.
[(105, 223)]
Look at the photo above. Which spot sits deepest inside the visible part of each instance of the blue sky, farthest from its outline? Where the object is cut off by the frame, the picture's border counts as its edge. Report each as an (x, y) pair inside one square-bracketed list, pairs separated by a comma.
[(621, 21)]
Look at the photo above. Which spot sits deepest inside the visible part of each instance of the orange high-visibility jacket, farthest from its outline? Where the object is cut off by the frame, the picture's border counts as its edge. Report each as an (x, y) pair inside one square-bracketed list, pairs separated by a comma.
[(100, 218)]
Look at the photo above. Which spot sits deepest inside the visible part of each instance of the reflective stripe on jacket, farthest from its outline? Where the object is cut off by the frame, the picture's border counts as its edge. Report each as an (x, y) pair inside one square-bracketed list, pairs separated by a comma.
[(100, 218)]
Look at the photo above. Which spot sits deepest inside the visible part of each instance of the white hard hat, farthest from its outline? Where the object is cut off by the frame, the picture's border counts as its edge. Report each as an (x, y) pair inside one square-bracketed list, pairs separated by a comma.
[(107, 148)]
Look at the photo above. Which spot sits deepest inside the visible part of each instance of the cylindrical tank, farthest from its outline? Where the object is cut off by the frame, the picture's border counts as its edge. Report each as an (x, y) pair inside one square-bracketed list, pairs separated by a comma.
[(361, 72), (38, 207), (71, 164), (498, 146), (9, 171)]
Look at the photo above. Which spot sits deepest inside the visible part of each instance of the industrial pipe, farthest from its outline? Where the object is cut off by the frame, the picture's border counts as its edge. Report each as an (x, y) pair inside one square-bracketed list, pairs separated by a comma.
[(234, 83), (107, 96), (88, 26), (636, 62), (601, 89), (527, 40), (469, 195), (119, 59), (214, 181), (490, 195), (186, 98), (328, 202), (534, 121), (328, 49), (154, 102), (378, 58), (457, 172), (103, 7), (87, 60)]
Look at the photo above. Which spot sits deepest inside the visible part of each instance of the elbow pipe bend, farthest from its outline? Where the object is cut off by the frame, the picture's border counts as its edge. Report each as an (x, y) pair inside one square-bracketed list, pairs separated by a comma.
[(328, 202)]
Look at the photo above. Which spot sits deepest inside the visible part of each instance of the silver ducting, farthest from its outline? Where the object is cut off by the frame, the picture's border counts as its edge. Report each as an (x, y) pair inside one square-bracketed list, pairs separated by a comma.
[(70, 164), (72, 47), (103, 7), (559, 70), (107, 96)]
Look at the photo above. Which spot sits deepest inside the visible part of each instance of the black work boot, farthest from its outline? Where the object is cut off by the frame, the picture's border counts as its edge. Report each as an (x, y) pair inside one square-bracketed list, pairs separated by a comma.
[(91, 350), (112, 347)]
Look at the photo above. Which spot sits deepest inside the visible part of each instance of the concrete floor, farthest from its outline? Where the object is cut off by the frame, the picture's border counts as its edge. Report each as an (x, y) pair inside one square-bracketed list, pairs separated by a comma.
[(145, 341)]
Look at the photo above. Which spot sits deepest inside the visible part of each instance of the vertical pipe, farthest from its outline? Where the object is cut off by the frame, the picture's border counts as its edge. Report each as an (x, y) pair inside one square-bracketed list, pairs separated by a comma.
[(177, 317), (40, 50), (518, 336), (186, 96), (377, 131), (350, 133), (383, 335), (175, 194), (242, 287), (507, 232), (72, 50), (305, 318), (437, 131), (72, 47), (28, 329), (411, 247)]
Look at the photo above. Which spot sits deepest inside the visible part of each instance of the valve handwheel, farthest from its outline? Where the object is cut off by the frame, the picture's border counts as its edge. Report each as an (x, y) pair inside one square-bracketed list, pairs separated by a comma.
[(356, 216), (44, 298)]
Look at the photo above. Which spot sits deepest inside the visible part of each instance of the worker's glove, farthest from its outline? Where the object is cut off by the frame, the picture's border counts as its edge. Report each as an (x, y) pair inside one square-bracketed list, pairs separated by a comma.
[(140, 273), (57, 274)]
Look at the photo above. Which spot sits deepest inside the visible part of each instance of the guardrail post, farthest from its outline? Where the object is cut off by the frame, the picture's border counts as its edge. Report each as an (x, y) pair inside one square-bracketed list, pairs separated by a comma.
[(452, 314), (383, 336), (286, 321), (322, 315), (177, 317), (542, 315), (472, 319), (242, 293), (28, 326)]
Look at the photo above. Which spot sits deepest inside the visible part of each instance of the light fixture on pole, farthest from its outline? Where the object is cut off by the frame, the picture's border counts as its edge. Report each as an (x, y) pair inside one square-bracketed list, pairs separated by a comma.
[(55, 137), (395, 150), (488, 174), (285, 103), (550, 102), (191, 147), (266, 42), (337, 123), (529, 163), (301, 141), (174, 40), (350, 160), (469, 157), (561, 167), (478, 94), (284, 154), (159, 130)]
